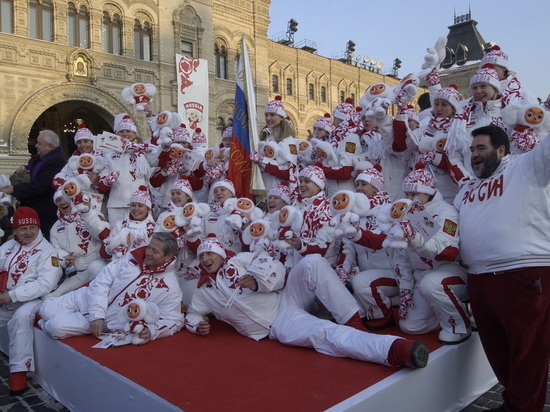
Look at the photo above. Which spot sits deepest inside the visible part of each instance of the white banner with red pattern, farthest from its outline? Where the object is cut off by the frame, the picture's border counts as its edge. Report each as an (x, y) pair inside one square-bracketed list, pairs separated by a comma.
[(192, 91)]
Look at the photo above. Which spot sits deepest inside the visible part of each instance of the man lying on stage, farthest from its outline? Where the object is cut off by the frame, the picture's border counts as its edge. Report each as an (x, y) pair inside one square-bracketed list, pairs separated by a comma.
[(257, 307), (146, 273)]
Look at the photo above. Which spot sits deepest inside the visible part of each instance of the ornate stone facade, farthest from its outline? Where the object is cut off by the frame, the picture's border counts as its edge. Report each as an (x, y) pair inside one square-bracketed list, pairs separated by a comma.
[(49, 83)]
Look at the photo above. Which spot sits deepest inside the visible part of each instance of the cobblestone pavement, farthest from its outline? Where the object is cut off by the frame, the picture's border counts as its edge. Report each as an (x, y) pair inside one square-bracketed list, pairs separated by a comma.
[(37, 400)]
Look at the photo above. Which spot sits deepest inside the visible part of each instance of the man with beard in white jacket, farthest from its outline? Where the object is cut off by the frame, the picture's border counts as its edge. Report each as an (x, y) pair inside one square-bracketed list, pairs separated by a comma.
[(504, 225), (29, 269), (257, 309), (145, 273)]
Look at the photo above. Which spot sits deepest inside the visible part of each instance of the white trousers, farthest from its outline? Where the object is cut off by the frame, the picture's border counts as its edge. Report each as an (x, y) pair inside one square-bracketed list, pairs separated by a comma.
[(81, 278), (373, 290), (20, 320), (64, 316), (313, 278), (438, 302)]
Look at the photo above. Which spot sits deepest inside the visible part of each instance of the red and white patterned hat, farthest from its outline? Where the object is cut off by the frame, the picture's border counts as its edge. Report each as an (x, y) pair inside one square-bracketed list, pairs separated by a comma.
[(25, 216), (281, 191), (228, 184), (450, 95), (181, 134), (495, 56), (124, 123), (212, 244), (324, 123), (344, 110), (227, 132), (372, 176), (315, 174), (184, 186), (142, 196), (83, 133), (198, 137), (487, 74), (276, 106), (419, 181), (412, 114)]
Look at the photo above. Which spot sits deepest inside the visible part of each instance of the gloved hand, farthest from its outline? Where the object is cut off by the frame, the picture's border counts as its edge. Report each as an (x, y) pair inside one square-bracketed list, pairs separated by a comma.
[(405, 301), (427, 157), (256, 157), (433, 77), (342, 274), (410, 233), (111, 178)]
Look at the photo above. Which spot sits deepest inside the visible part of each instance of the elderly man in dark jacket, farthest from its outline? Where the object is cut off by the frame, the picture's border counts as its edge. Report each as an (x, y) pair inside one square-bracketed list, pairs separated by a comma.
[(38, 192)]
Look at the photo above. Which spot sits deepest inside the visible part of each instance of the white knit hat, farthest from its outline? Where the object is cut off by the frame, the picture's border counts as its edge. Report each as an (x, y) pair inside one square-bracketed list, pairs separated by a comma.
[(419, 181), (450, 95), (181, 134), (372, 176), (315, 174), (83, 133), (228, 184), (212, 244), (282, 191), (123, 121), (227, 132), (142, 196), (199, 137), (487, 74), (276, 106), (324, 123), (57, 194), (495, 56), (344, 110), (184, 186)]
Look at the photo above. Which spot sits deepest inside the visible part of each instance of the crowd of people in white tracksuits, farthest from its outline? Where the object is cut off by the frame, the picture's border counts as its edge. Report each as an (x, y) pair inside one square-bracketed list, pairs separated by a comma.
[(358, 229)]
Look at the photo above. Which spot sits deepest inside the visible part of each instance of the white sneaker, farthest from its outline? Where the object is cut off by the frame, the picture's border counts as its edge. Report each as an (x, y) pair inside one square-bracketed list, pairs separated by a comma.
[(453, 338)]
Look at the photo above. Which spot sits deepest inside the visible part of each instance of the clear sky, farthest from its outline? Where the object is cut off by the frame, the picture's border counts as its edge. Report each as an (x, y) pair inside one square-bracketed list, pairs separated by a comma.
[(404, 29)]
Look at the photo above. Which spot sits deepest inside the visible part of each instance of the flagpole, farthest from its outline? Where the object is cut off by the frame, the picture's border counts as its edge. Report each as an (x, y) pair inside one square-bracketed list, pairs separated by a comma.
[(257, 184)]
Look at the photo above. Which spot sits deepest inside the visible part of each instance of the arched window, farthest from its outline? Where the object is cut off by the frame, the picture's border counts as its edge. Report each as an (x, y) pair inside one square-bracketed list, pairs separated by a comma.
[(323, 94), (142, 40), (79, 23), (342, 97), (112, 34), (221, 61), (275, 83), (6, 16), (461, 54), (41, 19), (352, 97), (289, 87), (311, 92), (186, 48)]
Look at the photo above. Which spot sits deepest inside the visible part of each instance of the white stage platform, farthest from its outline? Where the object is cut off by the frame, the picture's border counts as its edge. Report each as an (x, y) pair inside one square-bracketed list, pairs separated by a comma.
[(454, 378)]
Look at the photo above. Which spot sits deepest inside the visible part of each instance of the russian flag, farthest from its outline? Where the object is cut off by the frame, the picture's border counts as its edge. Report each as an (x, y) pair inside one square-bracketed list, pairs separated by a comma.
[(244, 174)]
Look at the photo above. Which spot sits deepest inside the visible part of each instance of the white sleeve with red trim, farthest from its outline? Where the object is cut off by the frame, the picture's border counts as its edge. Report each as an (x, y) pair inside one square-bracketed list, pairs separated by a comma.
[(443, 246), (97, 224), (347, 148)]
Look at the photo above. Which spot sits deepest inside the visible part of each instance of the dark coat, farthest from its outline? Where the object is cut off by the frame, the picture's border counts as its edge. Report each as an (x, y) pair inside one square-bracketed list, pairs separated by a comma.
[(38, 193)]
